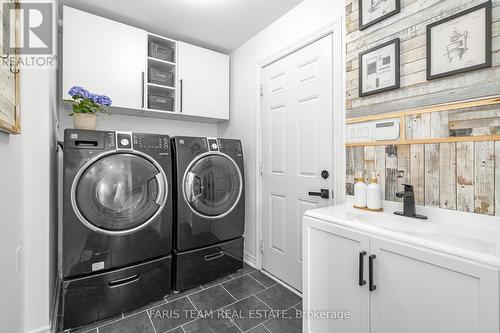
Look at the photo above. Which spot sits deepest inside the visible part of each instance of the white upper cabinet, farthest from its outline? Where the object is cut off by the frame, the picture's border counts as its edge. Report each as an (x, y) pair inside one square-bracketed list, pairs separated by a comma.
[(203, 82), (105, 57)]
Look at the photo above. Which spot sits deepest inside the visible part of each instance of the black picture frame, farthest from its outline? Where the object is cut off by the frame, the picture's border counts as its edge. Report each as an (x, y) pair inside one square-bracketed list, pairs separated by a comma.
[(488, 26), (397, 71), (379, 19)]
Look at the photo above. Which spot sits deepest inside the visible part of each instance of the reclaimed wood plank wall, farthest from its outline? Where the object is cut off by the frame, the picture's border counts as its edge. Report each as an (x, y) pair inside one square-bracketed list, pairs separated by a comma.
[(461, 176)]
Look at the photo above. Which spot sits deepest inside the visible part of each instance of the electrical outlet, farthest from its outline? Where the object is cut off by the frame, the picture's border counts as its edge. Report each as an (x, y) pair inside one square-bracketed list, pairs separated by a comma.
[(18, 260)]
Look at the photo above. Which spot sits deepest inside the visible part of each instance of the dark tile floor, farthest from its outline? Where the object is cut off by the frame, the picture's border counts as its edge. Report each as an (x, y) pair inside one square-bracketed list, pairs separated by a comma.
[(246, 301)]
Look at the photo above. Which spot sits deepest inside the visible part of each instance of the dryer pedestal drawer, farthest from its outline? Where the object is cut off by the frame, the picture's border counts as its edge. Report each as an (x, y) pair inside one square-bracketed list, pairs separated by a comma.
[(105, 295), (196, 267)]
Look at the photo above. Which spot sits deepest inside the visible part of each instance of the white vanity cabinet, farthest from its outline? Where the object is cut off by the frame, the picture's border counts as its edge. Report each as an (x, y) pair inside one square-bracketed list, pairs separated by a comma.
[(203, 82), (331, 264), (414, 289), (105, 57)]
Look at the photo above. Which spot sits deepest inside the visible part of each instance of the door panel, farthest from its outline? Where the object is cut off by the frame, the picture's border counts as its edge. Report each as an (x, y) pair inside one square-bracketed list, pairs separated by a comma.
[(296, 148), (331, 280), (424, 291), (278, 228)]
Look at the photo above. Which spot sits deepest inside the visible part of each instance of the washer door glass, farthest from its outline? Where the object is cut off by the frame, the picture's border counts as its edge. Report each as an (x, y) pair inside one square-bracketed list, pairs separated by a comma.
[(119, 192), (212, 185)]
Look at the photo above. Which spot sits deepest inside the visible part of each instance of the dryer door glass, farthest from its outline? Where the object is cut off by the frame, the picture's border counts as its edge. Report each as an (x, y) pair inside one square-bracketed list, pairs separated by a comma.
[(119, 192), (212, 186)]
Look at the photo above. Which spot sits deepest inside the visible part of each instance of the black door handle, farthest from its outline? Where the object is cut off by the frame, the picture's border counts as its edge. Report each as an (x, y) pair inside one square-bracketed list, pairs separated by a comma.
[(361, 268), (372, 287), (324, 194)]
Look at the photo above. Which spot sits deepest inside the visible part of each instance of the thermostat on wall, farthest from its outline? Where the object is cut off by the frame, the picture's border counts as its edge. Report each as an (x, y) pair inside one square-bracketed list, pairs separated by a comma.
[(385, 130)]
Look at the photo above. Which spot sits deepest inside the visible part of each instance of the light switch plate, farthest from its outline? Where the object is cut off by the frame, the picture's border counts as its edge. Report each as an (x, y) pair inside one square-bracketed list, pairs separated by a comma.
[(18, 260)]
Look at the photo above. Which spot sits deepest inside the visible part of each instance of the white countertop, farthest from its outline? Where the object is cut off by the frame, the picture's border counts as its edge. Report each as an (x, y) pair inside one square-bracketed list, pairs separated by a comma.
[(470, 236)]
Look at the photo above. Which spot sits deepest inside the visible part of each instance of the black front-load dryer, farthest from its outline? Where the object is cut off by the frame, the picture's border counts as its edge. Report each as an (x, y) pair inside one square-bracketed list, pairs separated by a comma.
[(209, 209), (116, 230)]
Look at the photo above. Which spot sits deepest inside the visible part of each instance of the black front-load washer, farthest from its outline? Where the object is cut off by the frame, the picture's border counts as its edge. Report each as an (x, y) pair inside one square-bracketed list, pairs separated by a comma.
[(116, 230), (209, 209)]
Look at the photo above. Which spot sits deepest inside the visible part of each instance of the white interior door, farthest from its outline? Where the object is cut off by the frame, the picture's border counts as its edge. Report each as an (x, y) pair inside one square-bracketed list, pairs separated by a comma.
[(296, 149)]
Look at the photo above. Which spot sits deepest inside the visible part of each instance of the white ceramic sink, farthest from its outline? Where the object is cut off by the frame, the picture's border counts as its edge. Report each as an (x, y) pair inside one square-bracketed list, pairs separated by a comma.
[(396, 223)]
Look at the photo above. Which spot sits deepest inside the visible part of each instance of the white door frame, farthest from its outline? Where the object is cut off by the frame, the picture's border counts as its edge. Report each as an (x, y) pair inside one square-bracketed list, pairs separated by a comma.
[(336, 29)]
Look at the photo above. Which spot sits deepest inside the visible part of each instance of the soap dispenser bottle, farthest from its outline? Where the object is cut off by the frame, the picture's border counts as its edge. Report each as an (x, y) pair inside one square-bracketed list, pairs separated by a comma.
[(374, 195), (360, 193)]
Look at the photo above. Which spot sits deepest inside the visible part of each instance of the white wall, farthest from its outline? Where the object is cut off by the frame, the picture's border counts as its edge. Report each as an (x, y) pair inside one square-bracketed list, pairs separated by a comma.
[(301, 21), (40, 195), (142, 125), (27, 202), (11, 231)]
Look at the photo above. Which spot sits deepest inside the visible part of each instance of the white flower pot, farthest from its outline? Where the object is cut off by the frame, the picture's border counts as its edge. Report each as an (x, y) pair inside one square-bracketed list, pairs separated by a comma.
[(85, 121)]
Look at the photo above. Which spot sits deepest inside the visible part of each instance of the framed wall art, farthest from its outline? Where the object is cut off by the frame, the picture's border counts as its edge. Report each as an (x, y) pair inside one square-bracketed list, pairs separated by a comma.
[(374, 11), (10, 117), (379, 68), (459, 43)]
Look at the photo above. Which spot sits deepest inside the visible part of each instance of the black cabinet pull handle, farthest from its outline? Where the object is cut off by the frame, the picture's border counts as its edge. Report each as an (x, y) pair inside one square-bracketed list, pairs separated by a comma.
[(214, 255), (142, 87), (122, 282), (372, 287), (361, 266), (181, 92)]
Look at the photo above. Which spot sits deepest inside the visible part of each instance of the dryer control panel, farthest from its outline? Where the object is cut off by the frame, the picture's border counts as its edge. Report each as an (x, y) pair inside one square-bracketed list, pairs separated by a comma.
[(229, 145)]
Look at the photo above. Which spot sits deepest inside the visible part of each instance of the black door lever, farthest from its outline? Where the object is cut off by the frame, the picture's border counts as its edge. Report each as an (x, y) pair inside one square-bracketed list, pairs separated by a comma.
[(324, 194)]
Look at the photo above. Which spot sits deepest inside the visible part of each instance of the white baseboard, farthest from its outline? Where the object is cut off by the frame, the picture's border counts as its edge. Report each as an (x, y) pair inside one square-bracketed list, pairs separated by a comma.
[(250, 260), (44, 329)]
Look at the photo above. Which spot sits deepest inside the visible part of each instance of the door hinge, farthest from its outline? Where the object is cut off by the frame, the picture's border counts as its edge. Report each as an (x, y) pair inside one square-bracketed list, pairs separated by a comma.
[(261, 168), (261, 246), (261, 91)]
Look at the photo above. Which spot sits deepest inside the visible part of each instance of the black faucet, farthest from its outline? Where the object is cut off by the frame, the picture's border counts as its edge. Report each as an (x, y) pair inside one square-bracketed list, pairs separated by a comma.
[(408, 203)]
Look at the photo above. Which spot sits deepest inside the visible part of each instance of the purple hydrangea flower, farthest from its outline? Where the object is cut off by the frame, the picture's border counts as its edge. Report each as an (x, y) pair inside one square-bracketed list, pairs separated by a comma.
[(101, 99), (79, 92)]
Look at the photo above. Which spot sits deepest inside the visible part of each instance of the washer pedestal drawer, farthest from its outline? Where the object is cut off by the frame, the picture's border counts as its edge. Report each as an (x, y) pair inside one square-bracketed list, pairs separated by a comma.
[(99, 296), (196, 267)]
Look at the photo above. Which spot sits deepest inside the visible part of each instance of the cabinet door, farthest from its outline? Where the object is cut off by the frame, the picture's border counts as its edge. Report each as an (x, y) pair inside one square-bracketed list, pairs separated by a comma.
[(105, 57), (419, 290), (331, 277), (203, 82)]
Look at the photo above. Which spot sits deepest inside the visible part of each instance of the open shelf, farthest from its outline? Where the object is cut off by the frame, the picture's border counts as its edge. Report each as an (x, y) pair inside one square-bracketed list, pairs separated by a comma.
[(161, 61), (161, 49), (161, 74), (160, 99), (159, 86), (460, 105)]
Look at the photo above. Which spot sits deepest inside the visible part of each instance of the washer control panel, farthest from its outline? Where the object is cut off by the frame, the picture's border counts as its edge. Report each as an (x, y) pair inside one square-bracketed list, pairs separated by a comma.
[(151, 142), (123, 140), (213, 145)]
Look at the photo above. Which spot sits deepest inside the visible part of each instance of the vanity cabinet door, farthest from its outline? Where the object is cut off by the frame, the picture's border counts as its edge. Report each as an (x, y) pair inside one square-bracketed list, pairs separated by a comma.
[(104, 56), (420, 290), (331, 279)]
